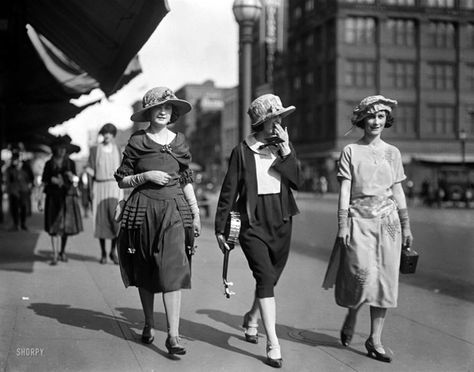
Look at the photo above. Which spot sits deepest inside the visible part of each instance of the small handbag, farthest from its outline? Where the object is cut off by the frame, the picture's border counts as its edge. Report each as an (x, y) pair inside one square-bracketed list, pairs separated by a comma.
[(408, 261)]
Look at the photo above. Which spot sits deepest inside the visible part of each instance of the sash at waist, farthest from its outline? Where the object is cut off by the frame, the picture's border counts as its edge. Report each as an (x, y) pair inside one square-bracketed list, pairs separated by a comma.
[(162, 193), (372, 207)]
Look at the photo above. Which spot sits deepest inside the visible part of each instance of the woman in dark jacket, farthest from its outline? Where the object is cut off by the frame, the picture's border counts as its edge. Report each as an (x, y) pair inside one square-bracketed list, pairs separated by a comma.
[(62, 214), (262, 171)]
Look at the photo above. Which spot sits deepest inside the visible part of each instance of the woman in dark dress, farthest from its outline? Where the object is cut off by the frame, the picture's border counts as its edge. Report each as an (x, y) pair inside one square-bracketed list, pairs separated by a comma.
[(161, 216), (258, 185), (62, 215)]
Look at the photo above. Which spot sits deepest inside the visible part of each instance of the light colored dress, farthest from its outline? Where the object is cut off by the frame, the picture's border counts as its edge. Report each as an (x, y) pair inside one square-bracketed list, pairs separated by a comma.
[(105, 160), (367, 271)]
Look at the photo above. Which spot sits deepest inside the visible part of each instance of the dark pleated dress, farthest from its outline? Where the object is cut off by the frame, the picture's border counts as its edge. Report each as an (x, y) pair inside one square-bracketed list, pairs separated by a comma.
[(151, 242)]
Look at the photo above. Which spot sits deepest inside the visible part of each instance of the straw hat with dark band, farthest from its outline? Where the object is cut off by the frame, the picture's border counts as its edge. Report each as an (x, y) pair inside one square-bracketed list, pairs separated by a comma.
[(267, 107), (159, 96)]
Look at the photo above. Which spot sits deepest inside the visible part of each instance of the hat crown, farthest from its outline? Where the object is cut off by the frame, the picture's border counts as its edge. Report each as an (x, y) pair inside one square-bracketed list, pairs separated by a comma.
[(157, 96), (264, 106), (369, 101)]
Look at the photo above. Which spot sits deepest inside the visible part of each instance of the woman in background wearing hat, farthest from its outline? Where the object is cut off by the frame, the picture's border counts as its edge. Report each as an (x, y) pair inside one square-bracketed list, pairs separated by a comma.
[(62, 214), (161, 216), (104, 160), (373, 224), (258, 185)]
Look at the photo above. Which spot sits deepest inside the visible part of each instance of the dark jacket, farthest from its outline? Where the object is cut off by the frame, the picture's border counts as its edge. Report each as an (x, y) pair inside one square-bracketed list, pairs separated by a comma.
[(239, 189)]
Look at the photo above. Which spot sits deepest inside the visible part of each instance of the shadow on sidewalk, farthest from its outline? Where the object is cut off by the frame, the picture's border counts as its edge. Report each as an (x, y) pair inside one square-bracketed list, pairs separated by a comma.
[(71, 255), (284, 332), (189, 330), (124, 325), (17, 252)]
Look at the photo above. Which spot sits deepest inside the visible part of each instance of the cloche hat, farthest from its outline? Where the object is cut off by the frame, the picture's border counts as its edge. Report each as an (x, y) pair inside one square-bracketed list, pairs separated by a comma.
[(159, 96), (370, 105), (266, 107)]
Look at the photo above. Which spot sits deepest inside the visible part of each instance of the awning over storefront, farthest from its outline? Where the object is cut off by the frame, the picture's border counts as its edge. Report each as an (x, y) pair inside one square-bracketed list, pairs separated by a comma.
[(440, 159), (53, 51), (101, 37)]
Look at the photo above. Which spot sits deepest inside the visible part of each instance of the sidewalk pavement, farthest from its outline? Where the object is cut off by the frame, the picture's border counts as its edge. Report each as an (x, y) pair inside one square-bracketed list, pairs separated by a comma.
[(78, 316)]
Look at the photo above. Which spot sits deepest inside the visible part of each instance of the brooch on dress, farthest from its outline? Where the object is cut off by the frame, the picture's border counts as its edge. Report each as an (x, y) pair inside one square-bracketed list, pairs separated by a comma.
[(166, 148)]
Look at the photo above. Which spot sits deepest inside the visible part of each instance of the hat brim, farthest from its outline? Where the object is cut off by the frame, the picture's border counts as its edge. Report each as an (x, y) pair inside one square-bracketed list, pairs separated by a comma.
[(182, 107), (282, 113)]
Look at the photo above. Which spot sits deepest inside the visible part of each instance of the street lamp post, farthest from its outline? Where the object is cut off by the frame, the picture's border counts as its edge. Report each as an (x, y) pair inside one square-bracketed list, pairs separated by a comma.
[(246, 12)]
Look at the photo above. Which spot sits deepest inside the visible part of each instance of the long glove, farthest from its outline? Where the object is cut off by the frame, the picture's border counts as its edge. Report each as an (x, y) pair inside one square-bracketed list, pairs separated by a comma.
[(343, 226), (134, 180), (193, 205), (407, 237)]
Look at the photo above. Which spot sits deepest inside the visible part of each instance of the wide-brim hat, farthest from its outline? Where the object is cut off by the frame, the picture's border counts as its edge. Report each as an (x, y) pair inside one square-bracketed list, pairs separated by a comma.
[(267, 107), (370, 105), (66, 142), (159, 96)]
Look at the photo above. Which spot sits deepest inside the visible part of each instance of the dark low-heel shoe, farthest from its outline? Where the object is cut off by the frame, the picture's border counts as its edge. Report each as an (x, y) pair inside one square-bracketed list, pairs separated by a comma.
[(274, 362), (147, 338), (373, 353), (246, 325), (173, 346)]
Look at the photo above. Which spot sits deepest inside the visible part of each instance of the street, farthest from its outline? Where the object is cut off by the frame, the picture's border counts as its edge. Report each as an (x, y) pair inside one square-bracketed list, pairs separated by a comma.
[(79, 317)]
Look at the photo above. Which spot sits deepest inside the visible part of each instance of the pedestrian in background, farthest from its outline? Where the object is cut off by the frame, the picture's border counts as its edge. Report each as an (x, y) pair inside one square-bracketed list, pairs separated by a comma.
[(161, 215), (62, 213), (104, 159), (263, 169), (85, 189), (373, 224), (19, 182)]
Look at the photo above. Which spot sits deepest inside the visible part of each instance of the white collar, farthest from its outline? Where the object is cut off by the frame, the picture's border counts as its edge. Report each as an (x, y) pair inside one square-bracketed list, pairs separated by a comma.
[(255, 144)]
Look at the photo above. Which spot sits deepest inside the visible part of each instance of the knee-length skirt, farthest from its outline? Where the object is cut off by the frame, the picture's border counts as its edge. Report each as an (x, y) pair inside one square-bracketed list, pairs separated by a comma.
[(152, 252), (62, 213), (106, 196)]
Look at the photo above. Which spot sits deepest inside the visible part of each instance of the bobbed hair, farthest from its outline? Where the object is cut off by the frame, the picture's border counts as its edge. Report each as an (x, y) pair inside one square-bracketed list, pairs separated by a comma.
[(388, 123), (108, 128)]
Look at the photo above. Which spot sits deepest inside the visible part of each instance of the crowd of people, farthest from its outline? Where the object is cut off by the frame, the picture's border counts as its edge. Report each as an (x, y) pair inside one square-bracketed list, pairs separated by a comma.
[(143, 201)]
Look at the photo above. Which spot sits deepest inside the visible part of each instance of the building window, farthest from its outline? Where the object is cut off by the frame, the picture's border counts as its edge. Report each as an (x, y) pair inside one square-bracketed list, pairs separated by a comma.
[(470, 118), (441, 120), (309, 5), (470, 34), (297, 13), (318, 77), (359, 30), (399, 2), (441, 34), (298, 47), (467, 4), (441, 76), (402, 32), (402, 74), (405, 119), (470, 77), (297, 83), (440, 3), (330, 38), (310, 41), (309, 78), (360, 73)]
